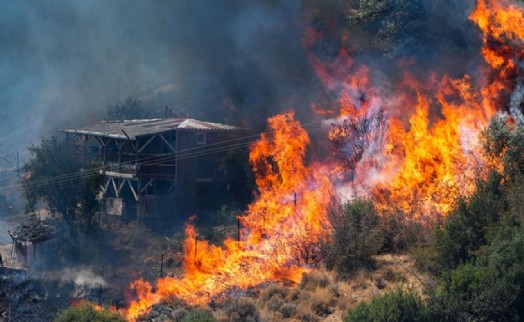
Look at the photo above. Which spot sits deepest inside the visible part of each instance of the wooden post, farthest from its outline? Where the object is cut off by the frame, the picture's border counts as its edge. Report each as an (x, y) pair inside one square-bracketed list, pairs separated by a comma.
[(196, 244), (238, 229), (18, 166), (100, 295), (162, 266)]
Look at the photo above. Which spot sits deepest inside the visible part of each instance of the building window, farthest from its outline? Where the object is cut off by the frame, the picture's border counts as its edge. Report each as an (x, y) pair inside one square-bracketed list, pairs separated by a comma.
[(201, 138)]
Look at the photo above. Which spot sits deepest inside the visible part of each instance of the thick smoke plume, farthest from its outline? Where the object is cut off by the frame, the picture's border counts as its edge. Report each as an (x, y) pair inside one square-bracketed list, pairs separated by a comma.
[(229, 61)]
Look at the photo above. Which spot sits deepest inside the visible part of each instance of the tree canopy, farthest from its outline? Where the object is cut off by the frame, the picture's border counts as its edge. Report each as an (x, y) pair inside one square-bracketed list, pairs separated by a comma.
[(56, 175)]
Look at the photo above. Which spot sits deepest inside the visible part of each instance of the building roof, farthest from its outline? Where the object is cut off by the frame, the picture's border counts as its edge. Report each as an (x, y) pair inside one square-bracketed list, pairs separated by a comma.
[(136, 128)]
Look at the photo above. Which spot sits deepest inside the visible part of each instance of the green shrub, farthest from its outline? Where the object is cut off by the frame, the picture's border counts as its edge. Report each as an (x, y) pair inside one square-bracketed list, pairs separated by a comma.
[(466, 228), (357, 235), (397, 305), (426, 259), (200, 315), (504, 142), (400, 233), (87, 312), (473, 293), (491, 288)]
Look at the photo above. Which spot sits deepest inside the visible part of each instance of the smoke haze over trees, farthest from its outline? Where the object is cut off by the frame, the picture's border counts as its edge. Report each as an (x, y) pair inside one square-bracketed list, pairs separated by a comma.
[(63, 62), (232, 61)]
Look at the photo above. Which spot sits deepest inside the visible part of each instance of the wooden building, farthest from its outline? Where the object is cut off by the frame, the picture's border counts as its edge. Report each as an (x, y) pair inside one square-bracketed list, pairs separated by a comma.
[(154, 167)]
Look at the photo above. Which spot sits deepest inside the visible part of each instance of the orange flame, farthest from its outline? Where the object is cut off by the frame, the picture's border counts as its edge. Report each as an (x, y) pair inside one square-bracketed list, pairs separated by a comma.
[(426, 155), (290, 212)]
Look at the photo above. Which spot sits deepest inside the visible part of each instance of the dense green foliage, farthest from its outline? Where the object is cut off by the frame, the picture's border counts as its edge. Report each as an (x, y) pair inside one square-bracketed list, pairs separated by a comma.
[(490, 285), (199, 315), (478, 254), (357, 235), (86, 312), (467, 227), (397, 305), (55, 175), (480, 247)]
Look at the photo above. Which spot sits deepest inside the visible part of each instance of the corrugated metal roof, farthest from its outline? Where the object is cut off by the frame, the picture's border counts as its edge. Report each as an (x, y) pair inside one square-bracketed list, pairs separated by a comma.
[(136, 128)]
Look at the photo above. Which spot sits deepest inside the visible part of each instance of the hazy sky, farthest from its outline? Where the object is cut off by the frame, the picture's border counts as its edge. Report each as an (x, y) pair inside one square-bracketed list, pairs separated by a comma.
[(61, 62), (233, 61)]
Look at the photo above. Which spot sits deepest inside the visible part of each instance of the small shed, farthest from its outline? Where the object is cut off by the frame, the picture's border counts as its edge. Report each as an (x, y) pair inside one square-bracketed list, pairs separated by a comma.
[(32, 236)]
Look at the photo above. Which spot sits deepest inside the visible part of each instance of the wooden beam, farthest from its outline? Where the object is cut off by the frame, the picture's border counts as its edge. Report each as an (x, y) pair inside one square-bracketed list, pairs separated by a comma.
[(147, 143), (120, 175), (121, 186), (114, 187), (167, 142), (145, 186), (101, 141), (105, 186), (132, 189)]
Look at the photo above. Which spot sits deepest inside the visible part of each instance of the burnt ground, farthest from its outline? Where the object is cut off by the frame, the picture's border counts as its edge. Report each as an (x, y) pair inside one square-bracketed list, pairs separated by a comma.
[(97, 266)]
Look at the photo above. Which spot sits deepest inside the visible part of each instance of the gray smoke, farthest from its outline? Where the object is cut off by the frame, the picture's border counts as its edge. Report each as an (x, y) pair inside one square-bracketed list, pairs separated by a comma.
[(62, 62), (233, 61), (517, 97)]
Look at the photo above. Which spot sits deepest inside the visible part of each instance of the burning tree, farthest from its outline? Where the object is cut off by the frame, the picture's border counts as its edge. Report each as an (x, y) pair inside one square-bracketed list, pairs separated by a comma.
[(354, 135)]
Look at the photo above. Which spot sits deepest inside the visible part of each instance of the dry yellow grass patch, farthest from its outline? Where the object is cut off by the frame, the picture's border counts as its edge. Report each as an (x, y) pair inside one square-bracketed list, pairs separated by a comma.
[(322, 296)]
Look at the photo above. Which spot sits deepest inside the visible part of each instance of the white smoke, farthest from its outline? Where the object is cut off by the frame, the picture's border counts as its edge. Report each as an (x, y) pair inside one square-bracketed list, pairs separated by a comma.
[(517, 97), (82, 277)]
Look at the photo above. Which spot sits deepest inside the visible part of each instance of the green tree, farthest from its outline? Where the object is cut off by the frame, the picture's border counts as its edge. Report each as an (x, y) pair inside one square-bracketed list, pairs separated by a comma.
[(466, 228), (490, 287), (55, 175), (391, 22), (504, 142), (128, 109), (357, 235), (479, 248)]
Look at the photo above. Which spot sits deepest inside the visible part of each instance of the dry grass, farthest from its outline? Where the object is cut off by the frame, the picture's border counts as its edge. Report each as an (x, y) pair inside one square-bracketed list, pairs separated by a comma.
[(322, 296)]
